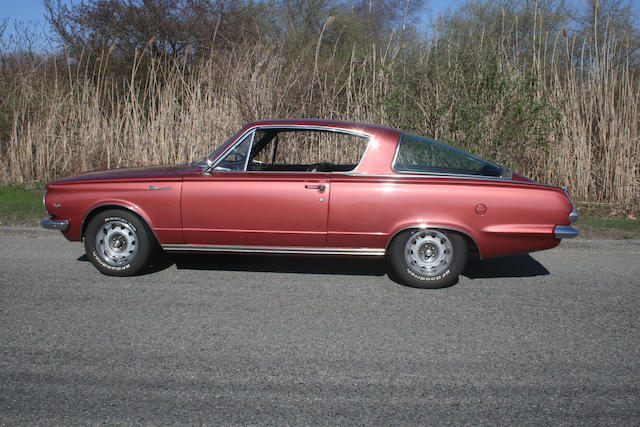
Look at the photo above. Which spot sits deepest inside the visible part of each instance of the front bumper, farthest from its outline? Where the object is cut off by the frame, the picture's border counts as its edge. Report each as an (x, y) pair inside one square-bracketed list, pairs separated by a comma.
[(55, 224), (565, 232)]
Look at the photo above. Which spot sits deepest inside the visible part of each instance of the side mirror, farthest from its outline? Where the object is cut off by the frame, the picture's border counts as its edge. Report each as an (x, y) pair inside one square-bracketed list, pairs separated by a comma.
[(208, 168)]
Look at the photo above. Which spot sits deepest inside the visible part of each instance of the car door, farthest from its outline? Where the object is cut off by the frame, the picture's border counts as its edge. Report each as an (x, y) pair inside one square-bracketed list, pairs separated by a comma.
[(236, 207)]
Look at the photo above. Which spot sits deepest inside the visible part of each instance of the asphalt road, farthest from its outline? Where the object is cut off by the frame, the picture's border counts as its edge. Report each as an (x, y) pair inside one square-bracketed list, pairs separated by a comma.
[(549, 338)]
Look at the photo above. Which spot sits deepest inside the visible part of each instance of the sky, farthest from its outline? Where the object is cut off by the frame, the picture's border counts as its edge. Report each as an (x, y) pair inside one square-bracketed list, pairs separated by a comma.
[(21, 10)]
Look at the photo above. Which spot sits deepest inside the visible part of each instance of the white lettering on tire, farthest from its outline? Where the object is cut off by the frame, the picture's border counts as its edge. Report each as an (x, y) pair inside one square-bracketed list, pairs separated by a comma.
[(426, 278)]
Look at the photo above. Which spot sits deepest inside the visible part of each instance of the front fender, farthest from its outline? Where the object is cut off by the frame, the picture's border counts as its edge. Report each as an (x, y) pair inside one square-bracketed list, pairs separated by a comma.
[(156, 203)]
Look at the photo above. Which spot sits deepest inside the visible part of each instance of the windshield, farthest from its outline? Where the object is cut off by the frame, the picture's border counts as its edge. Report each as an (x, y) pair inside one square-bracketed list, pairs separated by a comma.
[(203, 161), (419, 154)]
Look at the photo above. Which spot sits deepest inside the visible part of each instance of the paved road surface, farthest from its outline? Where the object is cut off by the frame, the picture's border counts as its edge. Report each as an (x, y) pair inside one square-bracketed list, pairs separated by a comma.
[(543, 339)]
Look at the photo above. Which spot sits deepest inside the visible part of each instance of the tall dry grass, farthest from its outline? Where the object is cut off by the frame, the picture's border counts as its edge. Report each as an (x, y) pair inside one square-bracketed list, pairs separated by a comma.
[(588, 136), (596, 147), (567, 114), (88, 121)]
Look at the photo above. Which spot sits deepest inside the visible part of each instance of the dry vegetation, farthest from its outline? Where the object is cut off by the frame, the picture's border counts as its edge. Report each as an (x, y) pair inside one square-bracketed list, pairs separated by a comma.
[(562, 110)]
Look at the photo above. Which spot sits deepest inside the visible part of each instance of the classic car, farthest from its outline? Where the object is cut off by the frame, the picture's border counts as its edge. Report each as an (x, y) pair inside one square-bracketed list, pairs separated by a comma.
[(315, 187)]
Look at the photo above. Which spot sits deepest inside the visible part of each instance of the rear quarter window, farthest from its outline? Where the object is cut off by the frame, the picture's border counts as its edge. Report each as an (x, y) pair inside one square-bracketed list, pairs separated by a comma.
[(417, 154)]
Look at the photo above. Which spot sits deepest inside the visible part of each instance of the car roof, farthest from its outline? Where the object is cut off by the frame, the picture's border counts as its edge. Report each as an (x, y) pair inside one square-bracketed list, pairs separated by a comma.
[(340, 124)]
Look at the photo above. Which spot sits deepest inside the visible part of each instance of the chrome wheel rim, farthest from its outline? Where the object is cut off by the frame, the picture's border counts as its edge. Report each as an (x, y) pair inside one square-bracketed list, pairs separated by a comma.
[(116, 242), (428, 253)]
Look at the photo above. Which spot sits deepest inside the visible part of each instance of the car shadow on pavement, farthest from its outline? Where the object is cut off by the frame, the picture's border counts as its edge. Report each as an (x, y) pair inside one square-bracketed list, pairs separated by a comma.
[(282, 264), (510, 266), (523, 265)]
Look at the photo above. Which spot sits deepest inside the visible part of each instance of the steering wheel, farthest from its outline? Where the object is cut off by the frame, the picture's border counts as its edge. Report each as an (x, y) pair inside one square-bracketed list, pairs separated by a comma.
[(320, 167)]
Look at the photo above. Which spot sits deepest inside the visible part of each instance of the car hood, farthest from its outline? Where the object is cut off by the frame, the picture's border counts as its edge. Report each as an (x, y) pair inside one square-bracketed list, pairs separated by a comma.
[(130, 174)]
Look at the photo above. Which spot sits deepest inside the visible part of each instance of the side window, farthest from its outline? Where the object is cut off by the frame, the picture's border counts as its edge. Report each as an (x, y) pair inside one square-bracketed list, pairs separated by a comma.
[(306, 150), (418, 154), (236, 159)]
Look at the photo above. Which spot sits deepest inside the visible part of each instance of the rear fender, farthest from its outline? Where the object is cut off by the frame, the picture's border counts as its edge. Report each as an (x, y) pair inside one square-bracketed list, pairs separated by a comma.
[(425, 225)]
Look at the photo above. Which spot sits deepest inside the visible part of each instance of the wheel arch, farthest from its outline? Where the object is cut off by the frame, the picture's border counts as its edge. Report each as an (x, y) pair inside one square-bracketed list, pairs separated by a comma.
[(471, 241), (107, 206)]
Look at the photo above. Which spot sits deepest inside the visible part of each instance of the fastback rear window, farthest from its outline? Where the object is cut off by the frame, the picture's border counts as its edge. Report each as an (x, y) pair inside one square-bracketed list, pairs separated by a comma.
[(417, 154)]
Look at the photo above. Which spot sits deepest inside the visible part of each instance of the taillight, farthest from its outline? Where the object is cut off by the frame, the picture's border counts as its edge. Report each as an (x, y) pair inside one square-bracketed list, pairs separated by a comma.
[(44, 202)]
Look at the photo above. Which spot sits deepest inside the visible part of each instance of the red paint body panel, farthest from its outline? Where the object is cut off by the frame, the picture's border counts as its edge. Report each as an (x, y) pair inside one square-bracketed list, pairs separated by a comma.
[(248, 208), (361, 209), (520, 217), (128, 188)]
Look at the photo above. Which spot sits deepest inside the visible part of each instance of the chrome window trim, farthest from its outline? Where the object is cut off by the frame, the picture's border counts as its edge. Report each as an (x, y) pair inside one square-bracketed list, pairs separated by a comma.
[(246, 161), (453, 175), (334, 129), (273, 250), (315, 127), (443, 175)]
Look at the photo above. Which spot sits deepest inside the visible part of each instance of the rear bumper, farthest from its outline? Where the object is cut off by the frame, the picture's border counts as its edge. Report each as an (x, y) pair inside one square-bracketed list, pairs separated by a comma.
[(565, 232), (55, 224)]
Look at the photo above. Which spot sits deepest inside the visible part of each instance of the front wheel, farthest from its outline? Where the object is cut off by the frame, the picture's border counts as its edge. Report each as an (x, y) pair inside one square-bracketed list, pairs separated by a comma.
[(118, 243), (428, 258)]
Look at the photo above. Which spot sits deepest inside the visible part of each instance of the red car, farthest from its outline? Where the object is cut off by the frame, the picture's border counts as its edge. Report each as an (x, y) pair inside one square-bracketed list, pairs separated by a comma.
[(315, 187)]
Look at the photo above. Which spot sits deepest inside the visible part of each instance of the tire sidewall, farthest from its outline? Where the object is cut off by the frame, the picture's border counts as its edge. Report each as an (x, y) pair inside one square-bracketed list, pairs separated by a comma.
[(143, 242), (410, 278)]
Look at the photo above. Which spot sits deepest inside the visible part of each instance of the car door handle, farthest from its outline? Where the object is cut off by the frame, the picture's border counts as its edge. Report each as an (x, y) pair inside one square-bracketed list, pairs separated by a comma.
[(319, 187)]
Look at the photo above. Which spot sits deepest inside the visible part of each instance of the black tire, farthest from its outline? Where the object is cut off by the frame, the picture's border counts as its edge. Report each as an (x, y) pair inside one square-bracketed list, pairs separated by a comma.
[(428, 258), (118, 243)]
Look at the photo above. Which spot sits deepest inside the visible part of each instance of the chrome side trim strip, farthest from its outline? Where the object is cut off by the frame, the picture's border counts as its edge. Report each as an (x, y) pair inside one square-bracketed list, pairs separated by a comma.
[(275, 250), (565, 232), (55, 224)]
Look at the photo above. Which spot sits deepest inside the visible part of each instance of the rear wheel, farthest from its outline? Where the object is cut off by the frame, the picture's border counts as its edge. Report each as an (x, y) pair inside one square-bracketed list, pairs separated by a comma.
[(118, 243), (428, 258)]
